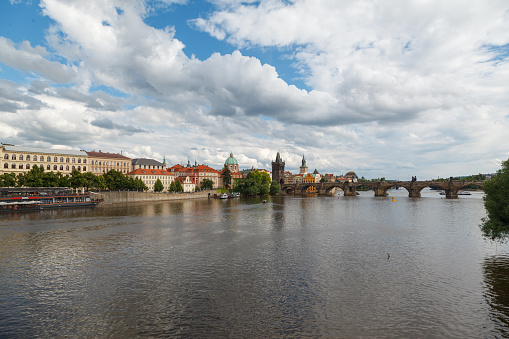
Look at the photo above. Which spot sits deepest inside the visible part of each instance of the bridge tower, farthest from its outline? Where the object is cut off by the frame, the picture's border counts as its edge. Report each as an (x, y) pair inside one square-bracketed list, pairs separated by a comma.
[(278, 170)]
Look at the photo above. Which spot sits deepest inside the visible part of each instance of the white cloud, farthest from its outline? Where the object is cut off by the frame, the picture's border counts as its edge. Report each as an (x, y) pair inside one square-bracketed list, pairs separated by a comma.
[(27, 58), (395, 86)]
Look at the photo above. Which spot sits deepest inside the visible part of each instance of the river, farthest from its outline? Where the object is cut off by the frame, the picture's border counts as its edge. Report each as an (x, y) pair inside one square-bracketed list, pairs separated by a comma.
[(331, 267)]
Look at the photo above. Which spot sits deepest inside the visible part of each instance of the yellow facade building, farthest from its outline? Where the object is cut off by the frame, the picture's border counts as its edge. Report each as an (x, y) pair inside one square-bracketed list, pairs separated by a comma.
[(20, 159)]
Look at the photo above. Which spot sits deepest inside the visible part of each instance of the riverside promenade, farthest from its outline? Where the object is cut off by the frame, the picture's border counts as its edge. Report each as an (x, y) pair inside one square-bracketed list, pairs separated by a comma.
[(116, 197)]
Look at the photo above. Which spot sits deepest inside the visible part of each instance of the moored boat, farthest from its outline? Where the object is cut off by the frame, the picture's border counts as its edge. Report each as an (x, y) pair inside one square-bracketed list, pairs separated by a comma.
[(40, 198)]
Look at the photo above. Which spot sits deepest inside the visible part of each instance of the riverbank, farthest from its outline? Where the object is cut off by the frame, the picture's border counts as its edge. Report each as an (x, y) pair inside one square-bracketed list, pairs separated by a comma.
[(119, 197)]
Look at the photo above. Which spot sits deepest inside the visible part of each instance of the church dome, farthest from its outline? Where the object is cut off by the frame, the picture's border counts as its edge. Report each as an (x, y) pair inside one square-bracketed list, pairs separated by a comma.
[(231, 160)]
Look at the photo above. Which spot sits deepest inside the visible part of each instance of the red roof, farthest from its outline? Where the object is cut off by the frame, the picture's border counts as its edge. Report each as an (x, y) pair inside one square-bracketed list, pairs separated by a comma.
[(141, 171), (199, 168)]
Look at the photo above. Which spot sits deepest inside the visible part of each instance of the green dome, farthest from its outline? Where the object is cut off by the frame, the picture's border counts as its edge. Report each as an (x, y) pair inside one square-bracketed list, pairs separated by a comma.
[(231, 160)]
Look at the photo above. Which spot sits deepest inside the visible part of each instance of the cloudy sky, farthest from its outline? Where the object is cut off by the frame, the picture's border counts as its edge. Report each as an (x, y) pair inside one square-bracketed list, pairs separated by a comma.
[(385, 88)]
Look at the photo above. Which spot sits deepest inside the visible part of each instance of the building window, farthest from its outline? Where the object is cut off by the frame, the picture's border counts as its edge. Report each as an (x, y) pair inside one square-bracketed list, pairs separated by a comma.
[(13, 157), (84, 168), (6, 165), (67, 167), (84, 161), (54, 167), (73, 160), (21, 157), (79, 168), (48, 167), (61, 159), (20, 166), (73, 168), (13, 166), (100, 163), (95, 162), (6, 156), (28, 157), (79, 160), (48, 159), (61, 167), (28, 166)]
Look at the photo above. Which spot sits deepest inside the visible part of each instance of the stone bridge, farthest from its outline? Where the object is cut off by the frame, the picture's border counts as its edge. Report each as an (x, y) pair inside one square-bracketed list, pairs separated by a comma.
[(380, 188)]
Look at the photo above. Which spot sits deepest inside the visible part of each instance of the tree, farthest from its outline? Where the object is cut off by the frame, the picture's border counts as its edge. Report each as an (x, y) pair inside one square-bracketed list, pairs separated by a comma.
[(227, 177), (158, 186), (496, 201), (207, 184), (255, 183), (178, 186), (77, 179), (115, 180), (274, 187), (8, 180)]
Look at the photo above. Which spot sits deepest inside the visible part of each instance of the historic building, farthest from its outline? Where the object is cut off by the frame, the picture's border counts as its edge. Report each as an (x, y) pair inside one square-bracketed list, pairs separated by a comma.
[(232, 164), (20, 159), (304, 167), (329, 178), (187, 184), (150, 176), (147, 164), (197, 174), (351, 176), (102, 162), (278, 170)]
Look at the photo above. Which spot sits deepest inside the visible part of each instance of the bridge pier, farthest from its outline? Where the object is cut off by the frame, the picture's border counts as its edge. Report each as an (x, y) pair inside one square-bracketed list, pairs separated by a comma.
[(380, 191), (350, 190), (451, 193), (414, 193)]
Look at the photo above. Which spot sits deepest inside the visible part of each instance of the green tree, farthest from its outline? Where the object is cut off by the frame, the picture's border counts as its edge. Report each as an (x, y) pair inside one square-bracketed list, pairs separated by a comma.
[(255, 183), (274, 187), (52, 179), (178, 186), (496, 201), (158, 186), (77, 179), (8, 180), (227, 177), (115, 180), (173, 187), (207, 184), (34, 177)]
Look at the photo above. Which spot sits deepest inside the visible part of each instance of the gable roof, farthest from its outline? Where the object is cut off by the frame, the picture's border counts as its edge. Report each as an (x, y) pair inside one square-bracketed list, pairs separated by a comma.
[(141, 171), (106, 155), (150, 162)]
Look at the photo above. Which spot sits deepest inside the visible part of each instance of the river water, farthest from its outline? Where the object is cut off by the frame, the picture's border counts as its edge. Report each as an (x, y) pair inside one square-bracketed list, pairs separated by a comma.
[(291, 267)]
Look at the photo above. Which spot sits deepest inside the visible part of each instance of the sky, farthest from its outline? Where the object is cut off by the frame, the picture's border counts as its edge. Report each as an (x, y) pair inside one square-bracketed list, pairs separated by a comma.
[(390, 89)]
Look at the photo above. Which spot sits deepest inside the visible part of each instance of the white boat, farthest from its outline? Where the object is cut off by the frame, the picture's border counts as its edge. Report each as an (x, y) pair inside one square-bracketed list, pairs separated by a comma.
[(223, 196)]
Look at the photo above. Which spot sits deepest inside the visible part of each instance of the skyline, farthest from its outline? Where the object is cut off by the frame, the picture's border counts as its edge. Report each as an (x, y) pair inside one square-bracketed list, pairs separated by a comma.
[(386, 89)]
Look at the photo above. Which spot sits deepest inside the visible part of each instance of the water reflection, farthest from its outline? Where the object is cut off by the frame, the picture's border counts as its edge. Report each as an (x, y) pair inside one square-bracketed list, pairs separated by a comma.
[(496, 277), (290, 267)]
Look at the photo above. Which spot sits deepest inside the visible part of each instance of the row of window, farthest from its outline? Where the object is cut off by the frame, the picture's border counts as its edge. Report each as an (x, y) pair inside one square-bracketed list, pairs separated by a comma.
[(109, 163), (48, 167), (41, 158), (102, 170)]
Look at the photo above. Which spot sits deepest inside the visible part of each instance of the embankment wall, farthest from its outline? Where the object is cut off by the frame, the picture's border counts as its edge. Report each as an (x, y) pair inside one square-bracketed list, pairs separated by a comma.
[(114, 197)]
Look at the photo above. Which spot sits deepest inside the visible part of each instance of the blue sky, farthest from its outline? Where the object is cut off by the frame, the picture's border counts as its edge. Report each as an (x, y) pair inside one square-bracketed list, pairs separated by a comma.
[(385, 88)]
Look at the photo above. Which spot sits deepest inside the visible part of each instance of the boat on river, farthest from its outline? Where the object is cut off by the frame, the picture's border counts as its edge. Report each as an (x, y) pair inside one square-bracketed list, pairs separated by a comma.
[(459, 193), (40, 198)]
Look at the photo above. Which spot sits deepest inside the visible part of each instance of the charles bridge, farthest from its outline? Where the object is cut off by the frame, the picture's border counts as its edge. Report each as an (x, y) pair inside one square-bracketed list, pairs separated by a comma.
[(380, 188)]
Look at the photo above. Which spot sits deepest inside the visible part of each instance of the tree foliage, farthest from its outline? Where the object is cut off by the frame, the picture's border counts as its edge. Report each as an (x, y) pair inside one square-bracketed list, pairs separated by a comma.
[(207, 184), (37, 177), (227, 177), (158, 186), (255, 183), (496, 201), (274, 187)]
